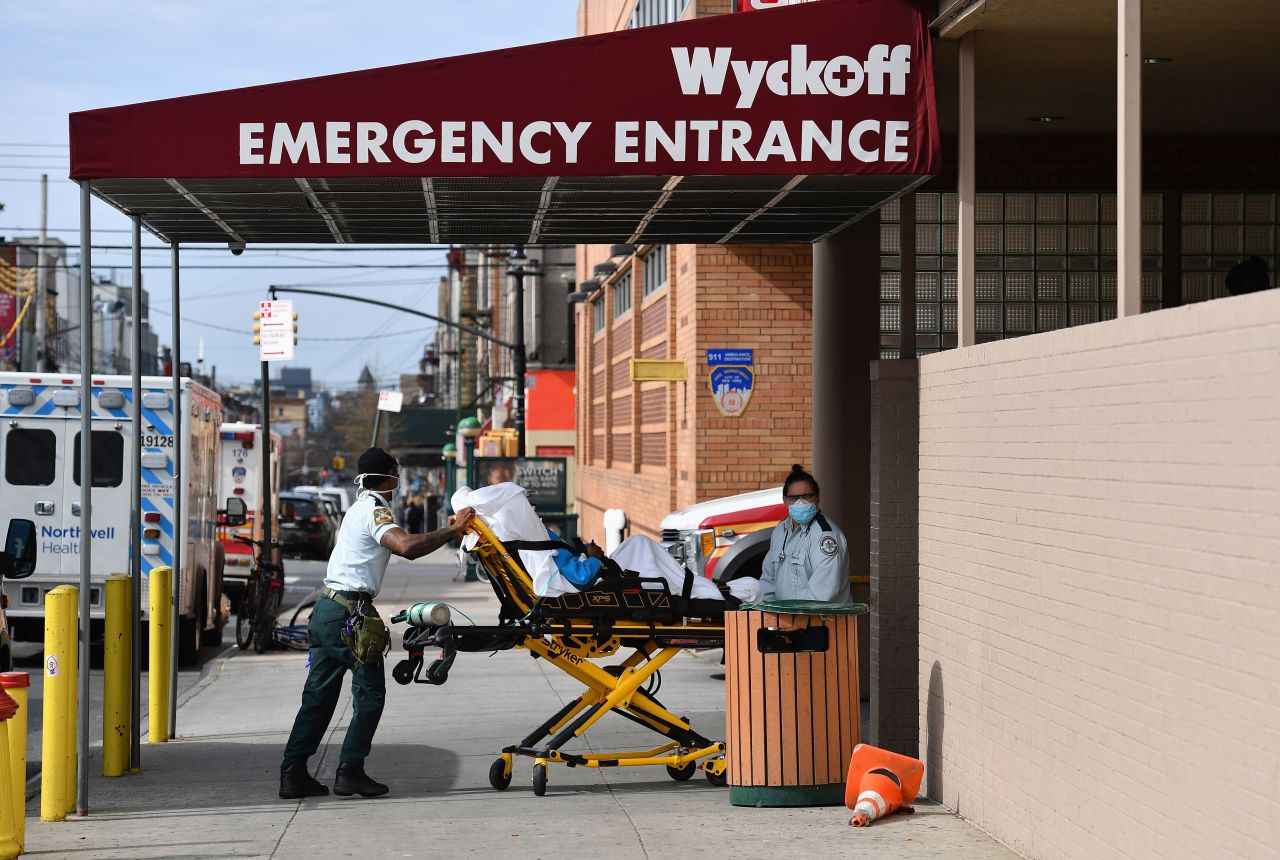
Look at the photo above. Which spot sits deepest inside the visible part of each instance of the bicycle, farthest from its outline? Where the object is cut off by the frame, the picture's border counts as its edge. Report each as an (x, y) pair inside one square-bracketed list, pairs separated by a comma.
[(260, 601)]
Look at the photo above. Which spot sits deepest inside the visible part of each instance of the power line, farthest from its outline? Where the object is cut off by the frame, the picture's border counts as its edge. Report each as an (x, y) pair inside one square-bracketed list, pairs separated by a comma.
[(300, 337)]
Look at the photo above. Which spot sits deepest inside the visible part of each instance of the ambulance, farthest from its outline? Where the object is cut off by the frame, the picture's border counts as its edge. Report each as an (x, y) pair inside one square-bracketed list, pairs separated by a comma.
[(40, 481), (240, 476)]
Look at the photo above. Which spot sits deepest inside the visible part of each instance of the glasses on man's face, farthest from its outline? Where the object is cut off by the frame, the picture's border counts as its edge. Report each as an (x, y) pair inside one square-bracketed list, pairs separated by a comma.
[(803, 497)]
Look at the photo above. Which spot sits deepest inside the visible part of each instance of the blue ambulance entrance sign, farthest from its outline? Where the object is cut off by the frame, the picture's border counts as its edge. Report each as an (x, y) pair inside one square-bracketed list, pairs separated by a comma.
[(732, 379)]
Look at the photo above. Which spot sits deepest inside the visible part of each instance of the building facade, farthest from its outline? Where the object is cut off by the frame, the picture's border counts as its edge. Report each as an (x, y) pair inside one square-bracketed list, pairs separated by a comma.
[(648, 448)]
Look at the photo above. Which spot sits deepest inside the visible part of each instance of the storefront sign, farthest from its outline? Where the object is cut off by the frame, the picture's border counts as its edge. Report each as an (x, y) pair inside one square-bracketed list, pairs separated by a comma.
[(838, 87), (732, 379), (545, 478)]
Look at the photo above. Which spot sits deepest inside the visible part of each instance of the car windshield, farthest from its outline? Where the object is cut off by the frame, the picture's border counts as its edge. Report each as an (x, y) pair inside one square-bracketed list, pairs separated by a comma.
[(297, 509)]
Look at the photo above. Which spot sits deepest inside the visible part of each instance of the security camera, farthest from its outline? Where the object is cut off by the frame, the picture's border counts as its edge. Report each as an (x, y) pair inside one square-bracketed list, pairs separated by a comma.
[(236, 248)]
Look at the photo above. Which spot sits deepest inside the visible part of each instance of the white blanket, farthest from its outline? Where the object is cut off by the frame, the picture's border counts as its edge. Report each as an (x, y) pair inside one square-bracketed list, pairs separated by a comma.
[(505, 509)]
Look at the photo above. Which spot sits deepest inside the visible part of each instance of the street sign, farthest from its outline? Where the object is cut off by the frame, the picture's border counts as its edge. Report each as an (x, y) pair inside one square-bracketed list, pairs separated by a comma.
[(659, 370), (276, 330), (390, 401)]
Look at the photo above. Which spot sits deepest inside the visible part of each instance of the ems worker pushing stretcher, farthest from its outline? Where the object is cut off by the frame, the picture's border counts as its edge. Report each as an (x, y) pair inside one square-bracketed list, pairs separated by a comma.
[(345, 632)]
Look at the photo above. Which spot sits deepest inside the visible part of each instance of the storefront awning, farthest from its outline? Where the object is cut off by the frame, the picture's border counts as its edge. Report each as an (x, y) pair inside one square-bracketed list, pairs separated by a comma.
[(774, 126)]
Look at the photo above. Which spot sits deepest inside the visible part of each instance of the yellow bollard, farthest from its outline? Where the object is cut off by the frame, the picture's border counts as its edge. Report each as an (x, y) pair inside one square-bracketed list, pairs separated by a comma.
[(161, 591), (9, 814), (115, 677), (73, 690), (58, 639), (18, 685)]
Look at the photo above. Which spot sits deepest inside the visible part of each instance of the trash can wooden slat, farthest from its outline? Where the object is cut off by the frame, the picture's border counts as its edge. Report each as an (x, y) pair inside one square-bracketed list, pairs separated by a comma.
[(792, 709)]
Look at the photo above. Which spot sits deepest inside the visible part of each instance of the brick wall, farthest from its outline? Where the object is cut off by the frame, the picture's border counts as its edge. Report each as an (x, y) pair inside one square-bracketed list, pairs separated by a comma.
[(743, 296), (1099, 535), (754, 297)]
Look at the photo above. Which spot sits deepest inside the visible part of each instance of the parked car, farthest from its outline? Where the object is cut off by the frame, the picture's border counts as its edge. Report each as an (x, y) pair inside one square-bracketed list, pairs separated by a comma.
[(305, 529), (340, 496), (327, 504)]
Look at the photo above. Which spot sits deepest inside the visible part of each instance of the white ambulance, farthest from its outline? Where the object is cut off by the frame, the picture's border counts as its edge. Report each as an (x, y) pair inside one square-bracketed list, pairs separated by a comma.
[(40, 481), (240, 476)]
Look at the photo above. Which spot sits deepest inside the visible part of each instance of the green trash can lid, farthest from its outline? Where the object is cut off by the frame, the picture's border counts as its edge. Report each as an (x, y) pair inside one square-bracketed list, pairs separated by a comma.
[(808, 607)]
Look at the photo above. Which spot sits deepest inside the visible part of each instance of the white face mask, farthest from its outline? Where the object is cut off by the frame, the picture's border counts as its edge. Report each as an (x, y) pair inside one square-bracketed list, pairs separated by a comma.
[(382, 494)]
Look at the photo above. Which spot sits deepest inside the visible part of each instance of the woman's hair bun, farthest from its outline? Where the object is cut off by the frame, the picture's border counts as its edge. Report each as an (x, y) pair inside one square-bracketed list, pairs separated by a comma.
[(796, 467)]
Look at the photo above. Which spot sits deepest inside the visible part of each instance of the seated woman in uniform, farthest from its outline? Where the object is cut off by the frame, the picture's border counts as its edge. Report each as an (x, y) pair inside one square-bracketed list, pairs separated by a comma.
[(808, 556)]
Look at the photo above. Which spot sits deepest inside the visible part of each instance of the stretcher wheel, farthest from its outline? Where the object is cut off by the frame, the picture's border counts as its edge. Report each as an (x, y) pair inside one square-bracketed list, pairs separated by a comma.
[(499, 775), (680, 774), (718, 781), (539, 779)]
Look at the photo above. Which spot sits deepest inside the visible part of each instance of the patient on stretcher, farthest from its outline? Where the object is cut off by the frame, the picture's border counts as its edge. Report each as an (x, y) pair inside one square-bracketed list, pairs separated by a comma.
[(505, 508)]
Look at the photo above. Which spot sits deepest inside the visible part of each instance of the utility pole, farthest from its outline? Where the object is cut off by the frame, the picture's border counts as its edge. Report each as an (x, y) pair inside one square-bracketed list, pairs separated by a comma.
[(516, 270), (42, 278)]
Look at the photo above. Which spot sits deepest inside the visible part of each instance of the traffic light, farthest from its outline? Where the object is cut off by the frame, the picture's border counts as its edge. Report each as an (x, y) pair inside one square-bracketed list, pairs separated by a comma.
[(339, 462)]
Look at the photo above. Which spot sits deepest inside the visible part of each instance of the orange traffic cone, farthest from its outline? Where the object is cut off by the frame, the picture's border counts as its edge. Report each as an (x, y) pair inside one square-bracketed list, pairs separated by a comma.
[(879, 783)]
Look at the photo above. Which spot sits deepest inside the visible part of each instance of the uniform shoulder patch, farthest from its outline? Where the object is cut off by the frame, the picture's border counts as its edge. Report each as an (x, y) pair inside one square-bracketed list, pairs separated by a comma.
[(828, 545), (382, 517)]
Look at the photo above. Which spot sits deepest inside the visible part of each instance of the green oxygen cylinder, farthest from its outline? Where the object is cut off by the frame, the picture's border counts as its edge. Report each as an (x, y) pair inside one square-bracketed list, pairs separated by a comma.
[(432, 614)]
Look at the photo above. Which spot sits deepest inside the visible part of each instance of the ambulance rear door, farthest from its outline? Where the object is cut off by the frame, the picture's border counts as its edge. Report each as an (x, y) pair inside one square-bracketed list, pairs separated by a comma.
[(32, 470), (111, 500)]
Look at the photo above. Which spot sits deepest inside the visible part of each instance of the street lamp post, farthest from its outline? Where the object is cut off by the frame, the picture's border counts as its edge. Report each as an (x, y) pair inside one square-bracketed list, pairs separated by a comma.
[(469, 428), (519, 357), (449, 454)]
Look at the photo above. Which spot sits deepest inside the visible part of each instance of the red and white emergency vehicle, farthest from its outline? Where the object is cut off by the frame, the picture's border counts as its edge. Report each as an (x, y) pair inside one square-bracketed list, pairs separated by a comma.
[(240, 476), (727, 538)]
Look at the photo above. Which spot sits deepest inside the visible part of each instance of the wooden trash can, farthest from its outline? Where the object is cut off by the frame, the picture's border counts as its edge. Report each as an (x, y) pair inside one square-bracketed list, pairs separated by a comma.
[(792, 702)]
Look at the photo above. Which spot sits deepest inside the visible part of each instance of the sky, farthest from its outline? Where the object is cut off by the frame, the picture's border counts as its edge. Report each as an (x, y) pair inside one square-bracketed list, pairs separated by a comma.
[(67, 55)]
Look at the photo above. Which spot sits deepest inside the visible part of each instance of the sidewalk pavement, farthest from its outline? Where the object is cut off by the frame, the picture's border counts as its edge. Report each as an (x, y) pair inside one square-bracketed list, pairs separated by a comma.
[(212, 793)]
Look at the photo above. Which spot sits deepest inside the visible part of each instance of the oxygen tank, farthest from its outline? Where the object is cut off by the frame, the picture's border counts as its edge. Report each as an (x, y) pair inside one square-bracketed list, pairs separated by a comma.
[(431, 614)]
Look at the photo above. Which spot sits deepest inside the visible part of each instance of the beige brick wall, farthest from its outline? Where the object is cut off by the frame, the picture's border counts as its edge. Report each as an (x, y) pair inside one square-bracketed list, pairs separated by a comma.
[(1100, 584)]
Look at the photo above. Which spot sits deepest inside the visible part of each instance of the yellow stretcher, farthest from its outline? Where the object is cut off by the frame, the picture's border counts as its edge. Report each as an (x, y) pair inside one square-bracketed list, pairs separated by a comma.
[(570, 632)]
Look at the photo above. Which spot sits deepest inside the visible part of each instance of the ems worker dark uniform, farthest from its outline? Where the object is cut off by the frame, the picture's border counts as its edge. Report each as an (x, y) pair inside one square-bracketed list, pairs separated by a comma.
[(808, 556), (366, 541)]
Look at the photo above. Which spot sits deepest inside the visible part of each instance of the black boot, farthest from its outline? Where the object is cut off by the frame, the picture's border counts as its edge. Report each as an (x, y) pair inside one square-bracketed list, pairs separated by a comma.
[(353, 780), (295, 783)]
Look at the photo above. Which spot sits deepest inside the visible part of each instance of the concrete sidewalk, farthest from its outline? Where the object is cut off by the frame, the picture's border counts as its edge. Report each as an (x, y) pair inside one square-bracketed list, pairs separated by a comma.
[(212, 792)]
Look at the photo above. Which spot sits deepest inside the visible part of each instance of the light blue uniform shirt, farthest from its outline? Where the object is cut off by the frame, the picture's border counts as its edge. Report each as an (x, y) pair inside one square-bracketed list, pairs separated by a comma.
[(807, 563)]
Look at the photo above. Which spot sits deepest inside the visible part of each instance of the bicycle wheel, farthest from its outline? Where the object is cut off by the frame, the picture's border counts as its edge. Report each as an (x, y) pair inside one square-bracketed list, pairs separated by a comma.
[(268, 607), (247, 613)]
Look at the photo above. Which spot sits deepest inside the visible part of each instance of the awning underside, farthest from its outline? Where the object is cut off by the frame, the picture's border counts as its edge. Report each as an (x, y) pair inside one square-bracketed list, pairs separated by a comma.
[(670, 209)]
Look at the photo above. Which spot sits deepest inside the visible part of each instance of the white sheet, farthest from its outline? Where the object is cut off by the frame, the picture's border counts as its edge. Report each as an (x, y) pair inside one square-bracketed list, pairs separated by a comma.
[(506, 510)]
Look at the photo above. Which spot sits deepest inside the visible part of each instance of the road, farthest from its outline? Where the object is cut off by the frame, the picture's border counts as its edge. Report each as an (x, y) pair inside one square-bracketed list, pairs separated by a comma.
[(301, 578)]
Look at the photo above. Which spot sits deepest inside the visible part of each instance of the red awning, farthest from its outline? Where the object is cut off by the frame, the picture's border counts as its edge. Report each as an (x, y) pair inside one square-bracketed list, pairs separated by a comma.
[(781, 125)]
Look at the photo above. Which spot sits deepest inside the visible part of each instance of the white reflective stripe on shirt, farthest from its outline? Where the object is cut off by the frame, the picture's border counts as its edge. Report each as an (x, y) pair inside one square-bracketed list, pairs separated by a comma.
[(359, 560)]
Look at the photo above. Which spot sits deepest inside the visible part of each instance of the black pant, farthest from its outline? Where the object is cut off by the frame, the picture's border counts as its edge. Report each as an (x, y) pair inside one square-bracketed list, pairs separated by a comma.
[(330, 661)]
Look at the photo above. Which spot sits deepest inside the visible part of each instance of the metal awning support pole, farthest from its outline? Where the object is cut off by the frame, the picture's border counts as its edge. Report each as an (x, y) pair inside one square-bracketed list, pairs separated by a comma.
[(967, 198), (86, 494), (135, 509), (1129, 158), (179, 515)]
